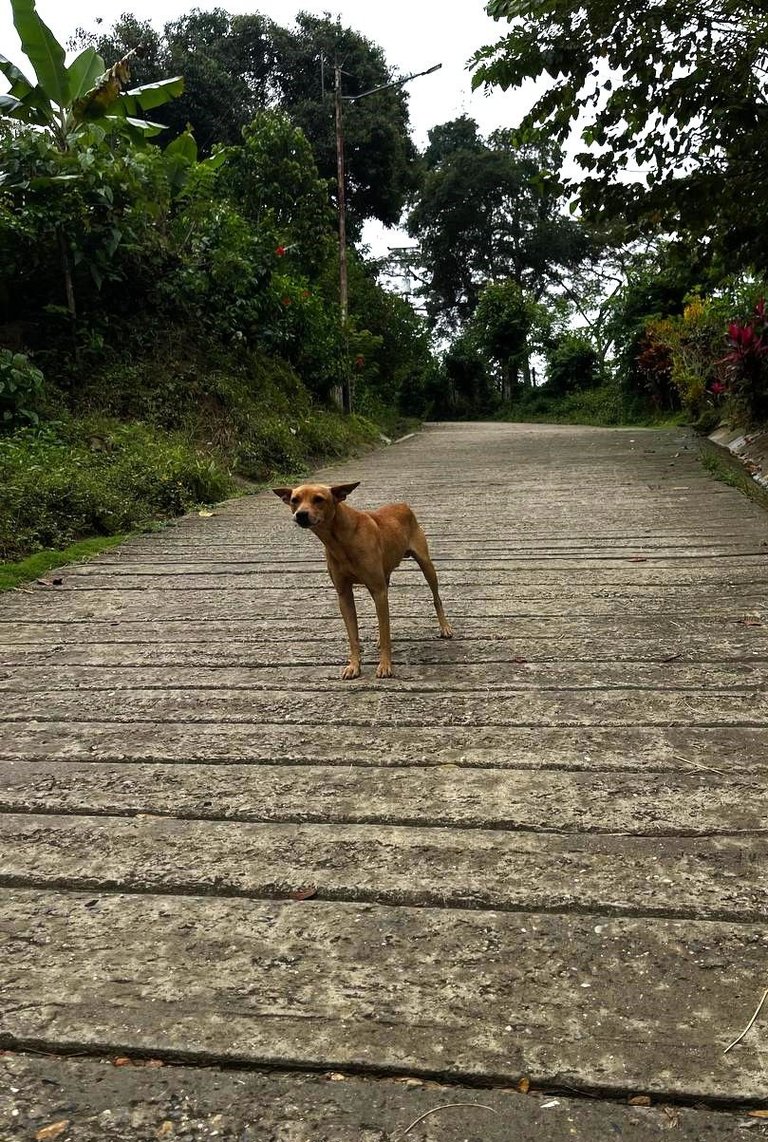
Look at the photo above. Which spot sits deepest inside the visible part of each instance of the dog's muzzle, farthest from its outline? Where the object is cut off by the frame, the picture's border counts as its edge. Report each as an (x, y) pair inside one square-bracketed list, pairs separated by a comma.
[(302, 519)]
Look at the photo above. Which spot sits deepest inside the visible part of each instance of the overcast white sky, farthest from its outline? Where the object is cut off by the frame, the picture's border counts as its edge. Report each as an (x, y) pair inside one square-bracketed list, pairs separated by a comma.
[(415, 34)]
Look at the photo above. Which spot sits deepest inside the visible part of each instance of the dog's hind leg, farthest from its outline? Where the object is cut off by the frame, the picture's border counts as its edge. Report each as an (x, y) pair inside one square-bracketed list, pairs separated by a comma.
[(420, 552)]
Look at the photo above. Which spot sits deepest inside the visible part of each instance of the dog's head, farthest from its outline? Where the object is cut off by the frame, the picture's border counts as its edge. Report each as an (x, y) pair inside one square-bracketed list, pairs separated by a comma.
[(314, 504)]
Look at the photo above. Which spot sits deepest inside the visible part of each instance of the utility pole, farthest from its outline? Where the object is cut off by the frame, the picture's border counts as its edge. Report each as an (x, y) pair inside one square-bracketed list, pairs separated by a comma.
[(344, 397), (342, 394)]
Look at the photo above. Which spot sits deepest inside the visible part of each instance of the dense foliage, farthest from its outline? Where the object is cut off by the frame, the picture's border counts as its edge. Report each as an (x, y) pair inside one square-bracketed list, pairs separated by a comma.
[(710, 358), (668, 101), (236, 66), (674, 88), (188, 306), (489, 210)]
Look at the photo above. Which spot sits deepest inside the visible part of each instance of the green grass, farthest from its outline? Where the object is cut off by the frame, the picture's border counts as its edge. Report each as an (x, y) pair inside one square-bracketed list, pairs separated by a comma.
[(722, 471), (250, 411), (606, 406), (97, 477), (129, 442), (728, 470), (34, 566)]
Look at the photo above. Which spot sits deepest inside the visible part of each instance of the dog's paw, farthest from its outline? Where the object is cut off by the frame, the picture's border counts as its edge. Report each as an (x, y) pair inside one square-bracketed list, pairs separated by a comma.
[(384, 670), (350, 671), (446, 631)]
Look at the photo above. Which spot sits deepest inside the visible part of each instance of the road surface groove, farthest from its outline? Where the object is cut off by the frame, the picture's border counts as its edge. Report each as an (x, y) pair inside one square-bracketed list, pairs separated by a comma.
[(539, 853)]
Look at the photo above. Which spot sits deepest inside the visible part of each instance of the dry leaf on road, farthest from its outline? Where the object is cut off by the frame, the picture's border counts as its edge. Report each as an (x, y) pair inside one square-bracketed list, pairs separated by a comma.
[(304, 893), (46, 1133)]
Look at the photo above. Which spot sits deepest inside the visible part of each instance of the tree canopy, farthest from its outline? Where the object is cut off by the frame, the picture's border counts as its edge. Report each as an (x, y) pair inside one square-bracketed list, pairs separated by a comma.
[(235, 66), (672, 90), (380, 156), (235, 251), (489, 209)]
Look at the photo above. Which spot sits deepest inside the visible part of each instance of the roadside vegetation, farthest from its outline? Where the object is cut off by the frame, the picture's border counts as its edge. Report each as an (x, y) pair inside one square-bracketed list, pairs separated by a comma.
[(169, 324), (170, 328), (666, 111)]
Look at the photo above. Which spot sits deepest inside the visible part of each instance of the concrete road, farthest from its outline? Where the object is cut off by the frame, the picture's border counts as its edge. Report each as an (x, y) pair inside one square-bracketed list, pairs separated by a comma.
[(503, 893)]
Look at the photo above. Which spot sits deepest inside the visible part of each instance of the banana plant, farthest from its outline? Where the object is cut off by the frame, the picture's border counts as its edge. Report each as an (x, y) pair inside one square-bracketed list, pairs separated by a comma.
[(67, 99), (71, 102)]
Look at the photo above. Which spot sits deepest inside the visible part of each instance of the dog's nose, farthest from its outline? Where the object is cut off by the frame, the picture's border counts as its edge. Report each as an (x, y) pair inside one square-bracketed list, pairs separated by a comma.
[(302, 519)]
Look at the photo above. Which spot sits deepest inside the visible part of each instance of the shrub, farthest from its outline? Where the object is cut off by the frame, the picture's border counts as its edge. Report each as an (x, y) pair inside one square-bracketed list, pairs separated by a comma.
[(746, 363), (96, 478), (573, 364), (651, 372), (697, 343), (714, 357), (21, 386)]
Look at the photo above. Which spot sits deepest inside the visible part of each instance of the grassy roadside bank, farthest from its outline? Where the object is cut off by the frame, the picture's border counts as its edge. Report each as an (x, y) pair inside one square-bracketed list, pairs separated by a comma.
[(14, 575), (73, 487), (726, 468)]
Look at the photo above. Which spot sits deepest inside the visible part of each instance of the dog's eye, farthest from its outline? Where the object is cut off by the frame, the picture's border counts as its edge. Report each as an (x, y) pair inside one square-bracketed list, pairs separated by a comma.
[(317, 499), (294, 501)]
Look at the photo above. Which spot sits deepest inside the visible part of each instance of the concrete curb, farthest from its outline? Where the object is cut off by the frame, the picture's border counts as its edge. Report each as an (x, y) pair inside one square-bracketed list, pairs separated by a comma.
[(746, 452)]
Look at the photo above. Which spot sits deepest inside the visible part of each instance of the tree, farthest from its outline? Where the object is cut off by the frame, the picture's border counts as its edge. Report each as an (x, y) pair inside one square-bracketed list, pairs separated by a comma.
[(502, 321), (488, 210), (380, 156), (236, 66), (467, 389), (573, 363), (675, 87), (72, 104), (508, 324), (389, 342), (274, 180), (225, 62), (590, 290)]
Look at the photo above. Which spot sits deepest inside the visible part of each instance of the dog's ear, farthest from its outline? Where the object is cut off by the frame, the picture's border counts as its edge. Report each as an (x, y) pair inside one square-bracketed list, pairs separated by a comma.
[(341, 491), (284, 494)]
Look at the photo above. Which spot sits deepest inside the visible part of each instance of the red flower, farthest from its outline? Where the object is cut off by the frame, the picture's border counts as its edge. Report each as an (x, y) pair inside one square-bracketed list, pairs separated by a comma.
[(279, 250), (287, 301), (359, 361), (716, 388)]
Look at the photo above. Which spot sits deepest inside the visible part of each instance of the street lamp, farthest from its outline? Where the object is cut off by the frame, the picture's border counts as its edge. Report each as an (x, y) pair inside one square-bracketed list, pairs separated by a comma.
[(345, 401)]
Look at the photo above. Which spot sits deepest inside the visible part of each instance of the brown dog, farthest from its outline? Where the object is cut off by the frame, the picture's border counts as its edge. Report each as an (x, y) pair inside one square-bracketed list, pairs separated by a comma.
[(363, 547)]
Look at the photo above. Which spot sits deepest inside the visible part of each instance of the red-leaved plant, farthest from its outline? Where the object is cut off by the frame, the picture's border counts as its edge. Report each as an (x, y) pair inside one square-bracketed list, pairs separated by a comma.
[(747, 361)]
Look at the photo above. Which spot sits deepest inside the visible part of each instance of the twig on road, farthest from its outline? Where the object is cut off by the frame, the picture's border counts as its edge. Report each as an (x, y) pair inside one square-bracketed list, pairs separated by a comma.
[(445, 1106), (699, 764), (758, 1009)]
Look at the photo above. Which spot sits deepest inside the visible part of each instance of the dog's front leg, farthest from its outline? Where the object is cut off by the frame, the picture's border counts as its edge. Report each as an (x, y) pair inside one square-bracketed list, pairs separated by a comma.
[(349, 614), (381, 599)]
